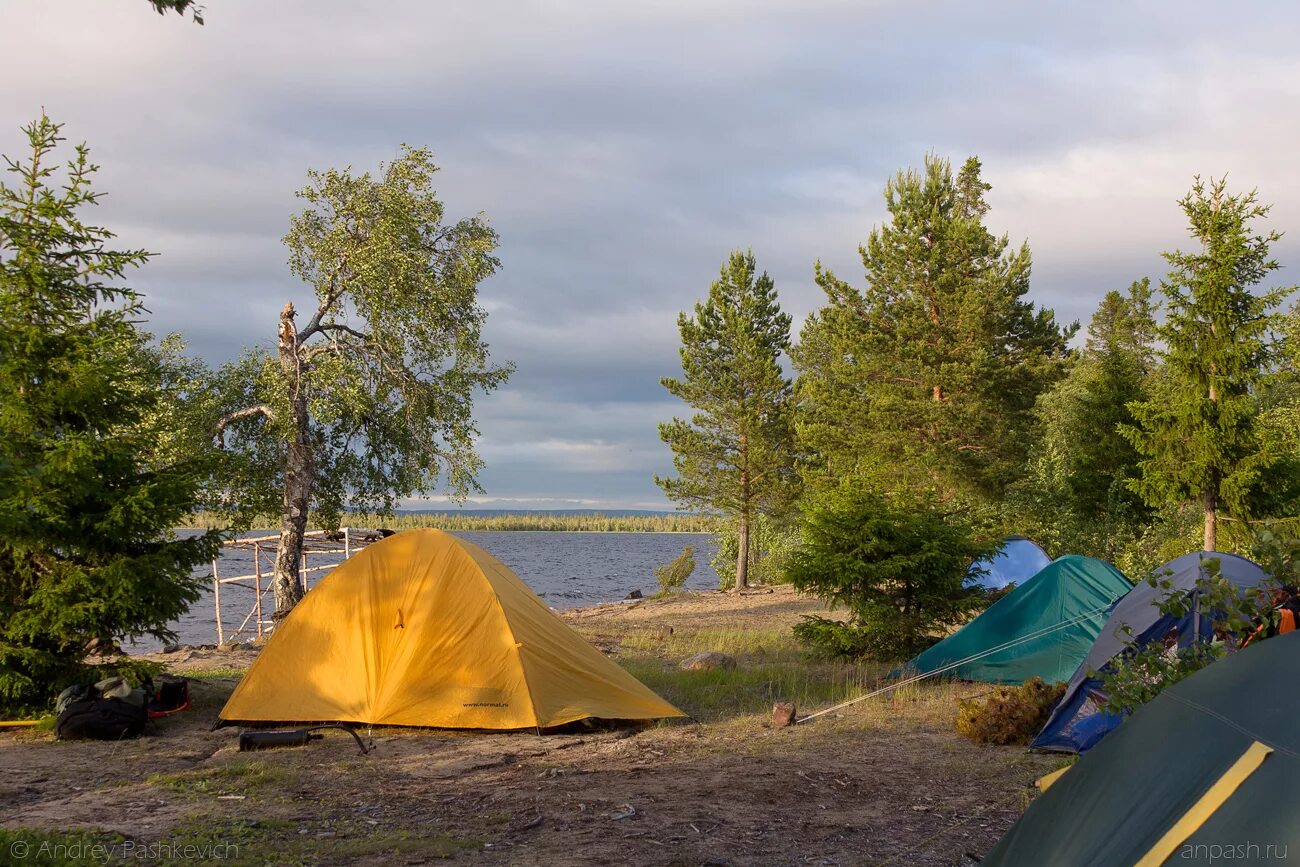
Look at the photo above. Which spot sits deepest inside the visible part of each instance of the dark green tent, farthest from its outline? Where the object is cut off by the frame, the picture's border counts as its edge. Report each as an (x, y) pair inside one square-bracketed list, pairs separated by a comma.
[(1044, 628), (1207, 773)]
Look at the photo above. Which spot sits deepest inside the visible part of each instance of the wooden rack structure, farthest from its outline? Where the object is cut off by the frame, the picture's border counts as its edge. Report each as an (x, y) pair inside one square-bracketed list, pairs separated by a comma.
[(345, 541)]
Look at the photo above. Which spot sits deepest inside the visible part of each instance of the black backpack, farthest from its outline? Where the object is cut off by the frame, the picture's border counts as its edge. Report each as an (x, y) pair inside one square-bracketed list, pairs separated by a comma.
[(83, 713)]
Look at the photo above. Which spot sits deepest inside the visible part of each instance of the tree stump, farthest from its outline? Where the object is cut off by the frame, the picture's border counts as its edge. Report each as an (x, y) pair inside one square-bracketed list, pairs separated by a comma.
[(782, 714)]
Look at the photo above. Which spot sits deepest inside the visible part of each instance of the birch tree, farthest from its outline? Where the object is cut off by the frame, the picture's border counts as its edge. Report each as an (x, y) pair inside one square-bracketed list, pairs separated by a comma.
[(368, 395)]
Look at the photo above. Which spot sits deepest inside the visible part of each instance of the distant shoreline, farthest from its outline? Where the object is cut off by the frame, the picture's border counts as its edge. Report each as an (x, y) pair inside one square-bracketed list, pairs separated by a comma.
[(560, 521)]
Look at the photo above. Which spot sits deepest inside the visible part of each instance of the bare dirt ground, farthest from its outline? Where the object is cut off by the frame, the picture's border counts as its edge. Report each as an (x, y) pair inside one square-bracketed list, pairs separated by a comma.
[(883, 782)]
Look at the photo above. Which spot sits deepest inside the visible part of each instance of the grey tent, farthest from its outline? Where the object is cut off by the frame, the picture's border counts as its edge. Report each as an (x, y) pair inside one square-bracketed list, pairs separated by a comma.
[(1079, 722)]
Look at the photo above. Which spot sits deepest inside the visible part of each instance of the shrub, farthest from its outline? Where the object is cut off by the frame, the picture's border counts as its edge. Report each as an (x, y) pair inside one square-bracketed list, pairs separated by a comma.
[(673, 575), (1010, 714), (837, 639), (898, 566), (771, 544)]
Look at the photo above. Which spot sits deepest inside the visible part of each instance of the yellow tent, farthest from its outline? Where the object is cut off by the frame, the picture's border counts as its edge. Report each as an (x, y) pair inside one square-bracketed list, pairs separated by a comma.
[(426, 629)]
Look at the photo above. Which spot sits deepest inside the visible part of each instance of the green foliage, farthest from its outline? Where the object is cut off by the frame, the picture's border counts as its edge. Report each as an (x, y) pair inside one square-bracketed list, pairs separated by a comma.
[(926, 378), (392, 355), (90, 486), (1010, 714), (1075, 494), (1197, 431), (180, 7), (673, 575), (771, 544), (371, 399), (735, 455), (1277, 551), (900, 568), (836, 639)]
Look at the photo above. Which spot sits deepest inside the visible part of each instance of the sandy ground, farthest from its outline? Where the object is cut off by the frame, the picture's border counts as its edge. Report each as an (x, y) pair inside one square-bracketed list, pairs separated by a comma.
[(884, 782)]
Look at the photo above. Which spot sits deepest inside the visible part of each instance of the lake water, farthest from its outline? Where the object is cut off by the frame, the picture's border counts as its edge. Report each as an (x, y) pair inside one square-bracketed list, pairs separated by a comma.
[(568, 570)]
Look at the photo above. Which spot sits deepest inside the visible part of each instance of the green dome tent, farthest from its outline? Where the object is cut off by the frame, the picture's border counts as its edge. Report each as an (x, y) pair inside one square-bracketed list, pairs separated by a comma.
[(1043, 628), (1208, 772)]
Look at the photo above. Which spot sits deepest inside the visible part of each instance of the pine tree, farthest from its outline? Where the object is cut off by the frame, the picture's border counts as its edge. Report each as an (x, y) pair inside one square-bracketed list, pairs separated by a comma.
[(735, 456), (1197, 432), (88, 496), (926, 378)]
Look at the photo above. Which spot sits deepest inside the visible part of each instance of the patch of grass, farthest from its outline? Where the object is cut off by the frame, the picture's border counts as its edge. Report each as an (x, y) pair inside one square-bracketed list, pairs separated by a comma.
[(238, 777), (56, 849), (226, 672), (750, 688), (684, 642)]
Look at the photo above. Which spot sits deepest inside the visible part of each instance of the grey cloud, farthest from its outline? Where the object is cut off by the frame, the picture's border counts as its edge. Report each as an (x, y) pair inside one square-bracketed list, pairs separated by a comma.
[(621, 150)]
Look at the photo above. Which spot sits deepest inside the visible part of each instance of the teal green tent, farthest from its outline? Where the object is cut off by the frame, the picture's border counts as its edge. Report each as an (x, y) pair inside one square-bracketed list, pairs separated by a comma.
[(1207, 772), (1044, 628)]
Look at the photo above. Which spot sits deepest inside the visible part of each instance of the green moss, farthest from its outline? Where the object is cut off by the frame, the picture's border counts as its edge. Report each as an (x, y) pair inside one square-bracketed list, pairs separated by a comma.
[(240, 776)]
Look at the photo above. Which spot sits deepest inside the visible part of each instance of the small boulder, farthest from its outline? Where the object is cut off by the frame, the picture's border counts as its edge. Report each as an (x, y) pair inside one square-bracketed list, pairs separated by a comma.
[(102, 647), (635, 594), (707, 661)]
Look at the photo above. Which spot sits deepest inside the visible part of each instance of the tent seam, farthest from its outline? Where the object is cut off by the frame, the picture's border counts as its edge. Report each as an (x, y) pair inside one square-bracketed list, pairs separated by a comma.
[(510, 629), (1235, 725)]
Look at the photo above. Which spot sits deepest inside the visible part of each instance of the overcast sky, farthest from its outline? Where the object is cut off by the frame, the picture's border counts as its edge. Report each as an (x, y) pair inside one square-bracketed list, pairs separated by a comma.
[(623, 149)]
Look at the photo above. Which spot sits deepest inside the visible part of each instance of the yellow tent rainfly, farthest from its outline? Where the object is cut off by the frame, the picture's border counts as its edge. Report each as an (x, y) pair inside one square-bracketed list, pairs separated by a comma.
[(426, 629)]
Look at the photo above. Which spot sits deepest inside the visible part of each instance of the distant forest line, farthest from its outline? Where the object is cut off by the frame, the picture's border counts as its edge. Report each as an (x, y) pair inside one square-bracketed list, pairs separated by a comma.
[(587, 522)]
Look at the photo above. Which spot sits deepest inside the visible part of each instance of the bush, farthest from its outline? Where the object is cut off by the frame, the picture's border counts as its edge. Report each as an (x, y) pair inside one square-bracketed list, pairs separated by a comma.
[(771, 544), (1011, 714), (898, 566), (837, 639), (673, 575)]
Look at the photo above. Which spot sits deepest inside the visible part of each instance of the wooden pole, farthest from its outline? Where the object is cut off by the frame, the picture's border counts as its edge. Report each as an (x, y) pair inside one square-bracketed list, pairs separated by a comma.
[(216, 599), (257, 583), (347, 542), (303, 574)]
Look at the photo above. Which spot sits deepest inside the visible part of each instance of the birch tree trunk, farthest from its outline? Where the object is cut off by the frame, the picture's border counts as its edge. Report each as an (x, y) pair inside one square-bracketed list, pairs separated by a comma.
[(298, 477)]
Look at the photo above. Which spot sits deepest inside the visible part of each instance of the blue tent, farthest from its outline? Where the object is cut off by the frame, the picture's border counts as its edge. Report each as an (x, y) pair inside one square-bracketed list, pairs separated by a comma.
[(1018, 560), (1079, 722)]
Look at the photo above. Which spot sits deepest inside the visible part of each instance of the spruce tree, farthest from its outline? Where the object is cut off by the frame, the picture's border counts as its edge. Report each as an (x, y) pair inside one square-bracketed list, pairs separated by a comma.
[(87, 495), (1197, 432), (1119, 355), (926, 378), (735, 456)]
